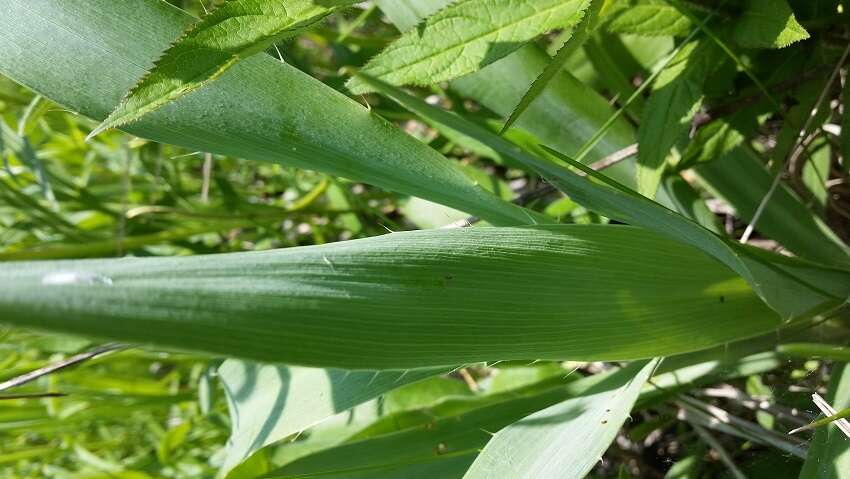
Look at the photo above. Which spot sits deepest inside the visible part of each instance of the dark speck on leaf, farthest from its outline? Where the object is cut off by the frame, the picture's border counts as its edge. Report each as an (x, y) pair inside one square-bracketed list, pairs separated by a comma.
[(605, 422), (722, 299)]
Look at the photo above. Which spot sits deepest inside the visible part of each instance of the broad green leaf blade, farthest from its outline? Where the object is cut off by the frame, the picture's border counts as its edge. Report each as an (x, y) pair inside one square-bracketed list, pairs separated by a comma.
[(565, 440), (232, 32), (762, 270), (465, 36), (268, 402), (646, 17), (573, 43), (415, 299), (261, 109), (829, 454), (768, 24), (676, 97), (792, 294)]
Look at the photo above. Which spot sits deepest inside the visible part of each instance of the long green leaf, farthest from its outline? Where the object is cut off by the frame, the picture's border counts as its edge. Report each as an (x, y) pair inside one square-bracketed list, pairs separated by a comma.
[(261, 109), (788, 294), (565, 440), (207, 49), (268, 402), (415, 299), (760, 269), (466, 36)]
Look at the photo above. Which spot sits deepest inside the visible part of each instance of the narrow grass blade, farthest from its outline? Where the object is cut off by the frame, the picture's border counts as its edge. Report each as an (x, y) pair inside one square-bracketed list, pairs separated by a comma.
[(574, 42), (829, 453)]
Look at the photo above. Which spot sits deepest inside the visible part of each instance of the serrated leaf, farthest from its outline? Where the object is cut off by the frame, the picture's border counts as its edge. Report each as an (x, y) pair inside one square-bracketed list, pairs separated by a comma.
[(404, 300), (234, 31), (768, 24), (646, 17), (566, 440), (579, 35), (676, 97), (268, 402), (466, 36)]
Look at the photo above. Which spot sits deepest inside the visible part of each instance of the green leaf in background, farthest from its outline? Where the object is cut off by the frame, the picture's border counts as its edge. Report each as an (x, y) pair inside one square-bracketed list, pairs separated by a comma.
[(768, 24), (829, 454), (564, 441), (466, 36), (232, 32), (414, 299), (675, 99), (249, 113), (645, 17), (268, 402), (570, 46)]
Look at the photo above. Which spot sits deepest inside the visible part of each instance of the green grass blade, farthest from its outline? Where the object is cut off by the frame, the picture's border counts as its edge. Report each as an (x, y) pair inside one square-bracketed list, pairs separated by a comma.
[(207, 49), (565, 440), (829, 453), (261, 109), (574, 42), (415, 299), (465, 36)]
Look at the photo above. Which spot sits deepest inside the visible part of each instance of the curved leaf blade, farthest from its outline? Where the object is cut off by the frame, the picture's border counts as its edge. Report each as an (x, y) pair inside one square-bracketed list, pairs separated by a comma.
[(573, 43), (414, 299), (465, 36)]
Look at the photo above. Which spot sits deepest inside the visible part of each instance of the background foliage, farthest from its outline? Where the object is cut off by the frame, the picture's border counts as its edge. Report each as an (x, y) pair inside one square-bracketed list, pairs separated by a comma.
[(516, 351)]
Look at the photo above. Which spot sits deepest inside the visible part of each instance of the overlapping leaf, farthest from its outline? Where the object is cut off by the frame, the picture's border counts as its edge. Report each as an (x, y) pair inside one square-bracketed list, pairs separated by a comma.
[(676, 97), (262, 109), (792, 288), (268, 402), (466, 36), (768, 24), (232, 32)]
